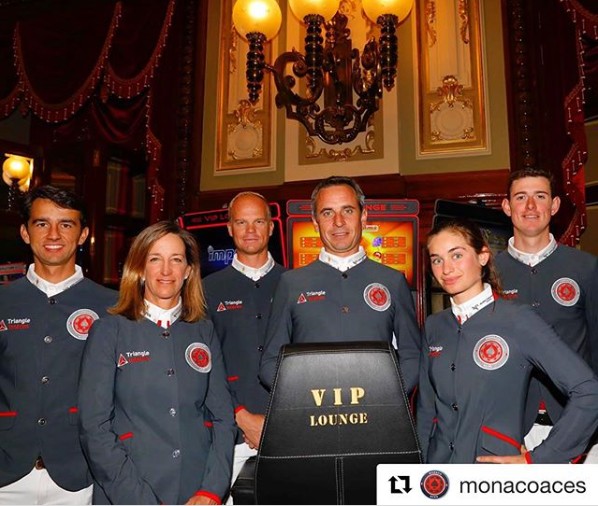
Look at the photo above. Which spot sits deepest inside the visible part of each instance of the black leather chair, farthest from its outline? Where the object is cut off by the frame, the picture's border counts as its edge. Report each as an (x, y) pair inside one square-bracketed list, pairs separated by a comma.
[(336, 411)]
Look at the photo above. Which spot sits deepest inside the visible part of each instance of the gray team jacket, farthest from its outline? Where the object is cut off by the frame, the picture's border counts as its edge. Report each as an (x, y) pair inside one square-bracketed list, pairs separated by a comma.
[(156, 414), (473, 386), (41, 344)]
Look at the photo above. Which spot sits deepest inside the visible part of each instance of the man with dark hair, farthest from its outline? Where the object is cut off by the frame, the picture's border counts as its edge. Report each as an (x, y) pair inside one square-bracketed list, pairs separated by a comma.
[(238, 299), (342, 296), (44, 321), (559, 282)]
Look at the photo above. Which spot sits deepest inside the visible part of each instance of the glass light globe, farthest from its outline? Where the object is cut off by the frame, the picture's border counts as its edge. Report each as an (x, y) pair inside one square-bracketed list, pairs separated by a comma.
[(16, 167), (24, 184), (325, 8), (375, 8), (261, 16)]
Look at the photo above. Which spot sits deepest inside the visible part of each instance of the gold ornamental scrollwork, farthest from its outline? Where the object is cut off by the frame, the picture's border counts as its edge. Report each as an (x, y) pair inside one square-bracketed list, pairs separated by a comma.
[(430, 17), (464, 15), (451, 123), (336, 155), (246, 137)]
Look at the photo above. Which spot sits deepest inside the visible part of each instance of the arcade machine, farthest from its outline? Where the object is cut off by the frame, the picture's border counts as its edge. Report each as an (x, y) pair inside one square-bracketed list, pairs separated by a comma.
[(216, 247)]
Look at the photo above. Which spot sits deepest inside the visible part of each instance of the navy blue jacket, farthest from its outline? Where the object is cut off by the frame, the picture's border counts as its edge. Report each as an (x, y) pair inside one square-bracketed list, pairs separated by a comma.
[(41, 344), (239, 308), (563, 290)]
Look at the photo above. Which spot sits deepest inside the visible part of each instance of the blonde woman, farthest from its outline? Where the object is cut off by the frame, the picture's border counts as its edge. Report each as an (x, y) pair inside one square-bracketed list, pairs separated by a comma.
[(157, 421)]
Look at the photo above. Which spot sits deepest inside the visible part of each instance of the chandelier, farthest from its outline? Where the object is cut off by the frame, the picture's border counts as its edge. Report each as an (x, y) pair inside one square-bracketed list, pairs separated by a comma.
[(343, 88)]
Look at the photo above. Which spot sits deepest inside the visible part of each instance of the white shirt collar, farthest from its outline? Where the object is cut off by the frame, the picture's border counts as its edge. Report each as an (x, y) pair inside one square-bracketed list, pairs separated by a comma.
[(470, 307), (531, 259), (342, 263), (163, 317), (51, 289), (251, 272)]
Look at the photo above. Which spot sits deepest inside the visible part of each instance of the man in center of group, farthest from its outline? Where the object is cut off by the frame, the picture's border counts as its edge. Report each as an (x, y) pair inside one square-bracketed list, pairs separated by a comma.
[(238, 299), (342, 296)]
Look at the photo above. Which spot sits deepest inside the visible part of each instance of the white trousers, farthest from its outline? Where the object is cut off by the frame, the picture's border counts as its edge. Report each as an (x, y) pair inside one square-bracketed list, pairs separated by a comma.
[(38, 488), (539, 433), (242, 453)]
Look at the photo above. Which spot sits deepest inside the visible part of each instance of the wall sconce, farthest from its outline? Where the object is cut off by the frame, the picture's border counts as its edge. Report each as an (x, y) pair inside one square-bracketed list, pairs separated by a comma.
[(16, 173), (334, 71)]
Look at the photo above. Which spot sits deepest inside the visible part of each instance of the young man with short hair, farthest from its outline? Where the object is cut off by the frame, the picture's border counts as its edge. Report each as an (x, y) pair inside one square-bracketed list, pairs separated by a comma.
[(559, 282), (44, 321)]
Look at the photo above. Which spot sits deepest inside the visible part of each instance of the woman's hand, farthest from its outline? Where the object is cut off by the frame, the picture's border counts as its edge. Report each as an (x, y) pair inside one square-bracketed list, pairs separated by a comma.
[(200, 499), (505, 459)]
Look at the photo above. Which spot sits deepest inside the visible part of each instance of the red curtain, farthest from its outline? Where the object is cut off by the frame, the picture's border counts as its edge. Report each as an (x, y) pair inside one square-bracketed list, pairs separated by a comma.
[(584, 14), (93, 70)]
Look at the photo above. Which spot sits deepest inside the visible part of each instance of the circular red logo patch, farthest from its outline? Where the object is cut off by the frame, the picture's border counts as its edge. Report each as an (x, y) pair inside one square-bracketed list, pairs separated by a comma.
[(491, 352), (377, 296), (79, 323), (199, 357), (565, 291), (434, 484), (83, 323)]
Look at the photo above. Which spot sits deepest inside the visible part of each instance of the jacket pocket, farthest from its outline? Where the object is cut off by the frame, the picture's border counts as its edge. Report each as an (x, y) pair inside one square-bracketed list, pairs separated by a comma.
[(73, 414), (495, 442), (7, 419)]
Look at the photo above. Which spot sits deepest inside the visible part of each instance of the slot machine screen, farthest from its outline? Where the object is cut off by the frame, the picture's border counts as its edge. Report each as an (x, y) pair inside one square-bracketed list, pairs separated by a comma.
[(389, 237)]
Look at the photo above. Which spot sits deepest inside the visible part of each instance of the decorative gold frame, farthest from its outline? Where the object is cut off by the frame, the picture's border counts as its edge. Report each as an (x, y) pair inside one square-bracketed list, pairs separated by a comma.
[(451, 88), (244, 137)]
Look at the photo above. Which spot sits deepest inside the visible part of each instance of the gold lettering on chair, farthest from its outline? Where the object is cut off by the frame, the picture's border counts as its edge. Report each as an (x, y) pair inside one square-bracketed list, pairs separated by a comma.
[(334, 398), (318, 396), (357, 393), (358, 418)]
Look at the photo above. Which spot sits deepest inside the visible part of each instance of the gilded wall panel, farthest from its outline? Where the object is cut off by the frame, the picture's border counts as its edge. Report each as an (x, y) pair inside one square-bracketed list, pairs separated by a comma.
[(244, 131), (451, 87)]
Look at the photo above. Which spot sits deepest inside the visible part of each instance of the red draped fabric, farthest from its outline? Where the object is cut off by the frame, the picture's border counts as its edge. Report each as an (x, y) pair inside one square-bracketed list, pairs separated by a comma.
[(584, 14), (93, 70)]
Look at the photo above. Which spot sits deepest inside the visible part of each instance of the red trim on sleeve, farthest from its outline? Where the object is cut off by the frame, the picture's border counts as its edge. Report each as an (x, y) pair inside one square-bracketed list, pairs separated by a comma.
[(579, 459), (501, 436), (528, 458), (240, 407), (208, 424), (232, 378), (205, 493), (8, 413), (126, 435), (73, 409)]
